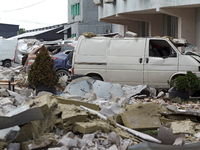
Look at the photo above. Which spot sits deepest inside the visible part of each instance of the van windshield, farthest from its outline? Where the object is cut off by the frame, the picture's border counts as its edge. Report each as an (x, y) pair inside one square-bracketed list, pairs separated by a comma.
[(191, 50)]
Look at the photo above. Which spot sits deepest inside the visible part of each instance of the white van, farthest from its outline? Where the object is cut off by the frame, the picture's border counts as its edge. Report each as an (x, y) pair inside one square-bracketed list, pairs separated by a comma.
[(7, 51), (132, 61)]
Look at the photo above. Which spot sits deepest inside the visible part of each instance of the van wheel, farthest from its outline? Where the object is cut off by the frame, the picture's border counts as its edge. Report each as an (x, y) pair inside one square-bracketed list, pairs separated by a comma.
[(63, 72), (97, 78), (7, 63)]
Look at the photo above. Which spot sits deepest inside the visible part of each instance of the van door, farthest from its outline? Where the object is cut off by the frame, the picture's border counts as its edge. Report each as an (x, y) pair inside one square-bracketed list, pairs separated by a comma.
[(161, 61), (125, 61)]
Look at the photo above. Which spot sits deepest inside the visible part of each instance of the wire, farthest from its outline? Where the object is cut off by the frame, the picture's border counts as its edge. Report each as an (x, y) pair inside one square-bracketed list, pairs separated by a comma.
[(27, 21), (23, 7)]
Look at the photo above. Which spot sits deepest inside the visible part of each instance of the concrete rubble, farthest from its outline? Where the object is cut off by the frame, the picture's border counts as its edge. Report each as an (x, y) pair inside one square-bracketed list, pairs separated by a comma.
[(90, 114)]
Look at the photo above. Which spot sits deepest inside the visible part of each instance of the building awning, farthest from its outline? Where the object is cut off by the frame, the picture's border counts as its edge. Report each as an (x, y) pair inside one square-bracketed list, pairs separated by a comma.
[(63, 30)]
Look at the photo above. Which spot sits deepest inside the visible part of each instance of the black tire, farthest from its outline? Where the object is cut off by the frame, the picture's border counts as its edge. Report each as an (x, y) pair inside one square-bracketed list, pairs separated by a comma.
[(97, 78), (7, 63), (63, 72)]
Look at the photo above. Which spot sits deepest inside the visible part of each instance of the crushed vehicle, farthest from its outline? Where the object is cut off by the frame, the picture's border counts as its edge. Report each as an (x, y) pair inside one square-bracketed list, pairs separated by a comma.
[(26, 46), (62, 61), (148, 61), (7, 50), (59, 50)]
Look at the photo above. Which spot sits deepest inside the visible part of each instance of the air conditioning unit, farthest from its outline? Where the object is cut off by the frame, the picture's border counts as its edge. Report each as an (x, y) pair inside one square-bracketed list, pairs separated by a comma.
[(109, 1), (97, 2)]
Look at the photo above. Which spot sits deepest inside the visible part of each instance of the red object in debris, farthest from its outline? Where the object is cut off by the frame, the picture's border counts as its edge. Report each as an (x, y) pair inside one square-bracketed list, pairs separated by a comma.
[(72, 70), (30, 63), (15, 52), (54, 58)]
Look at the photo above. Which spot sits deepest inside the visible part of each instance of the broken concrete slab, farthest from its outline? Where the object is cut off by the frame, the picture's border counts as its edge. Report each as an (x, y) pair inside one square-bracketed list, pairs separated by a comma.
[(179, 141), (4, 93), (14, 146), (43, 141), (155, 146), (88, 137), (7, 108), (68, 142), (111, 110), (19, 99), (70, 135), (81, 143), (20, 118), (105, 89), (187, 127), (175, 110), (46, 103), (4, 133), (119, 130), (80, 87), (166, 136), (75, 102), (71, 114), (141, 116), (113, 138), (24, 91), (124, 144), (92, 126), (35, 129), (130, 91), (5, 101)]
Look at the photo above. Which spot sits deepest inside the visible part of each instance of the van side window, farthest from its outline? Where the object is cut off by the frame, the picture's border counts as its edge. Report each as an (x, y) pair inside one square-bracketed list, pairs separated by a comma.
[(160, 48)]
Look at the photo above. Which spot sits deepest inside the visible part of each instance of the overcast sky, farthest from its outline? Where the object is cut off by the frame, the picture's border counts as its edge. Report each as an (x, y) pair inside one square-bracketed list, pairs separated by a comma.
[(31, 14)]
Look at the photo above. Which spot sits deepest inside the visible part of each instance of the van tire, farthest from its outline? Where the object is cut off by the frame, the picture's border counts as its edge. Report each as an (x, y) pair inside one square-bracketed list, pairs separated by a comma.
[(63, 72), (97, 78), (7, 63)]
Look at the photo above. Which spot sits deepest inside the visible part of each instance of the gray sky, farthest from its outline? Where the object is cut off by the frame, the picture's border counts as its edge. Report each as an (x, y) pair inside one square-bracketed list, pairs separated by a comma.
[(31, 14)]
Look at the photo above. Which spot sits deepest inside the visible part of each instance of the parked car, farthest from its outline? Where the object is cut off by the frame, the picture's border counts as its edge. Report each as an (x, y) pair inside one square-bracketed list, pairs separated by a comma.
[(62, 60), (134, 61)]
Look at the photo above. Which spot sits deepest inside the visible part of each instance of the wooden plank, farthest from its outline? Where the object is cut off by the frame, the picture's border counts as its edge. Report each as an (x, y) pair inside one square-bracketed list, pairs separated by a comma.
[(6, 83), (8, 80)]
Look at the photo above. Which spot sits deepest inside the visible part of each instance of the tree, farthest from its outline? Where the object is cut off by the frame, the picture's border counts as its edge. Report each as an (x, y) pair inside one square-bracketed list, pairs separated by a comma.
[(21, 30)]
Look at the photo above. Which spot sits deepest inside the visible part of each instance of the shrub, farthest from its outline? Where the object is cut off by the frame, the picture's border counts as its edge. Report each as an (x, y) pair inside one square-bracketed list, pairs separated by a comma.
[(189, 82), (42, 70)]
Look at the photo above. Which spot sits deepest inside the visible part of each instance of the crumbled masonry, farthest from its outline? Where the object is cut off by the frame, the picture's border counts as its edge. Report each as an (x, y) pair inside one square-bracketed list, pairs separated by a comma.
[(63, 124)]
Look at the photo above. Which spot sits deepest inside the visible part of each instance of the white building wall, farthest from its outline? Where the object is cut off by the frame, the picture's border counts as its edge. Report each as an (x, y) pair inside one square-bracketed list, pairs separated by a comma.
[(152, 11)]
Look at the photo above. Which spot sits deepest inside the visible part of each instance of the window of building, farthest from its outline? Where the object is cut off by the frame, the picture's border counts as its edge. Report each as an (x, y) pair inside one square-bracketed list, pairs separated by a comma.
[(73, 35), (171, 26), (75, 9), (144, 29)]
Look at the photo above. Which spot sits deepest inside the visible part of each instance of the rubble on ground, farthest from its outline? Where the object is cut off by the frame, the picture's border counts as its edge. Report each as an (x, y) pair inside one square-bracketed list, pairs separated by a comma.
[(64, 121)]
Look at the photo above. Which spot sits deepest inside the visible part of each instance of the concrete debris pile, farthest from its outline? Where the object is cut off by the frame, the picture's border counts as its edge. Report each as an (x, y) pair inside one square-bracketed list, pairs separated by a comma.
[(56, 124), (138, 107), (91, 114)]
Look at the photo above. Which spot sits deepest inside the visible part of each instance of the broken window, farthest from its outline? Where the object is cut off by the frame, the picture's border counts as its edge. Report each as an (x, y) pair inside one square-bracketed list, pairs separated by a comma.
[(160, 48)]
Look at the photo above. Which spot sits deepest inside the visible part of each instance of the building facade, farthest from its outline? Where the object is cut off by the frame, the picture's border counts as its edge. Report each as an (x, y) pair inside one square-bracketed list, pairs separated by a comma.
[(8, 30), (176, 18), (83, 17)]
